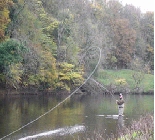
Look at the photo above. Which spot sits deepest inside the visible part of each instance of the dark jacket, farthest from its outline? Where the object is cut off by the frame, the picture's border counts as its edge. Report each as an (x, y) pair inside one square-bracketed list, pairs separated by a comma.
[(120, 102)]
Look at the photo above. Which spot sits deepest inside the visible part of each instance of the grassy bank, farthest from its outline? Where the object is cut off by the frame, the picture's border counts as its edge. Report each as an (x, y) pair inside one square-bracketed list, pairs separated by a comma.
[(127, 79)]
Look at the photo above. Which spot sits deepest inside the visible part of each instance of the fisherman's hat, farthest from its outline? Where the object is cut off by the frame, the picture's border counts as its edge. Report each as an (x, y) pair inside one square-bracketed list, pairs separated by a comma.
[(120, 96)]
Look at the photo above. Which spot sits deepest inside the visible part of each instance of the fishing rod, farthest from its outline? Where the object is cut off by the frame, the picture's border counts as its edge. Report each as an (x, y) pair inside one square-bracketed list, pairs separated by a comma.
[(103, 87)]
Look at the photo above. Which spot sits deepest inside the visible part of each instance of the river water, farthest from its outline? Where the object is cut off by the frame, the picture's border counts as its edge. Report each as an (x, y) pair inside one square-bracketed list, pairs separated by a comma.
[(76, 118)]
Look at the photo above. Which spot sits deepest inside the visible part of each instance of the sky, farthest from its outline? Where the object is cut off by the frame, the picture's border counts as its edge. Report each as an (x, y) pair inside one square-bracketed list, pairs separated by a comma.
[(144, 5)]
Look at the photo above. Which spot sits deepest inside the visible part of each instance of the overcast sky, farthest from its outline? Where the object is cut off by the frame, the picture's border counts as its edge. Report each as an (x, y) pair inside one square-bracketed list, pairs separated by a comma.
[(144, 5)]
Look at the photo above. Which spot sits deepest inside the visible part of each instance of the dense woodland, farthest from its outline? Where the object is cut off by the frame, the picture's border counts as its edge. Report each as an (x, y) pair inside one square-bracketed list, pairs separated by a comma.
[(52, 44)]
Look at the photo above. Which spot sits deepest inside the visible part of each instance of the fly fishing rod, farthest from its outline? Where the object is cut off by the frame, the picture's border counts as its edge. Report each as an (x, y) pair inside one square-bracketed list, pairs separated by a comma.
[(103, 87)]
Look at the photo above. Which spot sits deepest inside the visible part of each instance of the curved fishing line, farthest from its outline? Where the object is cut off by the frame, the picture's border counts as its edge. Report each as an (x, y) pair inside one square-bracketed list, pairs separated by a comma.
[(60, 102), (103, 88)]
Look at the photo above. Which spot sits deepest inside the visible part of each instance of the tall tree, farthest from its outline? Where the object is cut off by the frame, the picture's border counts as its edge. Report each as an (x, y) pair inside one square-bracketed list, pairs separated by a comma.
[(123, 40)]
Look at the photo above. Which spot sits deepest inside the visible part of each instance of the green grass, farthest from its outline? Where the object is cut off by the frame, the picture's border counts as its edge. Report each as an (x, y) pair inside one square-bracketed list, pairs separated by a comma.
[(108, 77)]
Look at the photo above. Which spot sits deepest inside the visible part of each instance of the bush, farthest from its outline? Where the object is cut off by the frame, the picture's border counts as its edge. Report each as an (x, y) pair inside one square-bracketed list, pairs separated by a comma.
[(11, 57), (140, 130)]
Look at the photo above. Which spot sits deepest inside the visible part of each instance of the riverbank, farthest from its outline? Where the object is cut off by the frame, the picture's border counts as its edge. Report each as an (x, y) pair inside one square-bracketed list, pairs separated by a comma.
[(94, 86), (126, 80), (143, 129), (88, 91), (106, 81)]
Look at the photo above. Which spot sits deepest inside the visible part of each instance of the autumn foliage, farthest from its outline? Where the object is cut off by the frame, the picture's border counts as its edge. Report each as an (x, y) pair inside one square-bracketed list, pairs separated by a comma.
[(4, 17), (61, 40), (124, 40)]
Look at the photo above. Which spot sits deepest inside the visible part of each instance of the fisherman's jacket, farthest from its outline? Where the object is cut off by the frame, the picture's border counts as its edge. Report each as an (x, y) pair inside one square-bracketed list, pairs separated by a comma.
[(120, 102)]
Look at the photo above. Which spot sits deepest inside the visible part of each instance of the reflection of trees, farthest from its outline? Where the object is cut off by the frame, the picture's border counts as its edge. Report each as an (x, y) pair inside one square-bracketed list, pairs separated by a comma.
[(19, 111), (10, 115), (67, 114)]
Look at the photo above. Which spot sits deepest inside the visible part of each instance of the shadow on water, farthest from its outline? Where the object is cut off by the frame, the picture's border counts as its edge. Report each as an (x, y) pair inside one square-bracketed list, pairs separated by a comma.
[(76, 118)]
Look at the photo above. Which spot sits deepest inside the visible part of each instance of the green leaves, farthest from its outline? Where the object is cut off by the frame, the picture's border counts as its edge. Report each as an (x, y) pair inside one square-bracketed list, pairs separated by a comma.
[(10, 53), (11, 58)]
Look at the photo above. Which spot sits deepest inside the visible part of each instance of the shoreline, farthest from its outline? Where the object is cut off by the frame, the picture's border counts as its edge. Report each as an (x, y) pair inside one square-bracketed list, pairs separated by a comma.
[(59, 93)]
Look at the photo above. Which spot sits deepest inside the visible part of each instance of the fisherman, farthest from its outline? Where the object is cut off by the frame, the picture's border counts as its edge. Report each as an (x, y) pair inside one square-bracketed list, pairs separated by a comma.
[(120, 104)]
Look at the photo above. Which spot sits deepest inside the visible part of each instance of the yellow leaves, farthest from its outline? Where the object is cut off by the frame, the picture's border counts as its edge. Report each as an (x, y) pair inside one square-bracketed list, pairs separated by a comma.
[(66, 67), (48, 61), (5, 13), (48, 72), (120, 82), (150, 49), (69, 76), (4, 17), (113, 59), (44, 77), (98, 10), (65, 71), (76, 75), (14, 76), (43, 16), (96, 6), (16, 71), (64, 77), (32, 80), (52, 26), (47, 75)]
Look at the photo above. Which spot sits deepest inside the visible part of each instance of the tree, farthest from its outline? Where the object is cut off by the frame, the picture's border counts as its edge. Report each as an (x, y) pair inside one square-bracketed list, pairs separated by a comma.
[(147, 31), (147, 28), (4, 17), (123, 40)]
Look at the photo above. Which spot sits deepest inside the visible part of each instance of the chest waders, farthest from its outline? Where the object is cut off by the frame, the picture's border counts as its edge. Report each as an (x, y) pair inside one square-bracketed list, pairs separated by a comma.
[(120, 104), (121, 109)]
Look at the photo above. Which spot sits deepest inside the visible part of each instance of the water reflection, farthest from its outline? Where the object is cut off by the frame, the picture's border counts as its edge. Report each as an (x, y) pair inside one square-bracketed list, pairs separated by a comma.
[(120, 122), (97, 113)]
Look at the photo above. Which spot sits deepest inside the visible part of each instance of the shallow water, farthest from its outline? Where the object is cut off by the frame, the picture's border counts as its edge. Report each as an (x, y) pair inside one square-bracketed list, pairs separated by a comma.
[(74, 119)]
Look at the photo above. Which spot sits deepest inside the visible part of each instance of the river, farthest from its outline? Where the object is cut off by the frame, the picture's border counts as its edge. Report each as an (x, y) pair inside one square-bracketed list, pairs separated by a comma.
[(76, 118)]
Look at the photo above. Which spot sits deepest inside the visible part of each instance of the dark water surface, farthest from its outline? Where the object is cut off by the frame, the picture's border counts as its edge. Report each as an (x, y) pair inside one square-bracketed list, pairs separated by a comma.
[(77, 118)]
